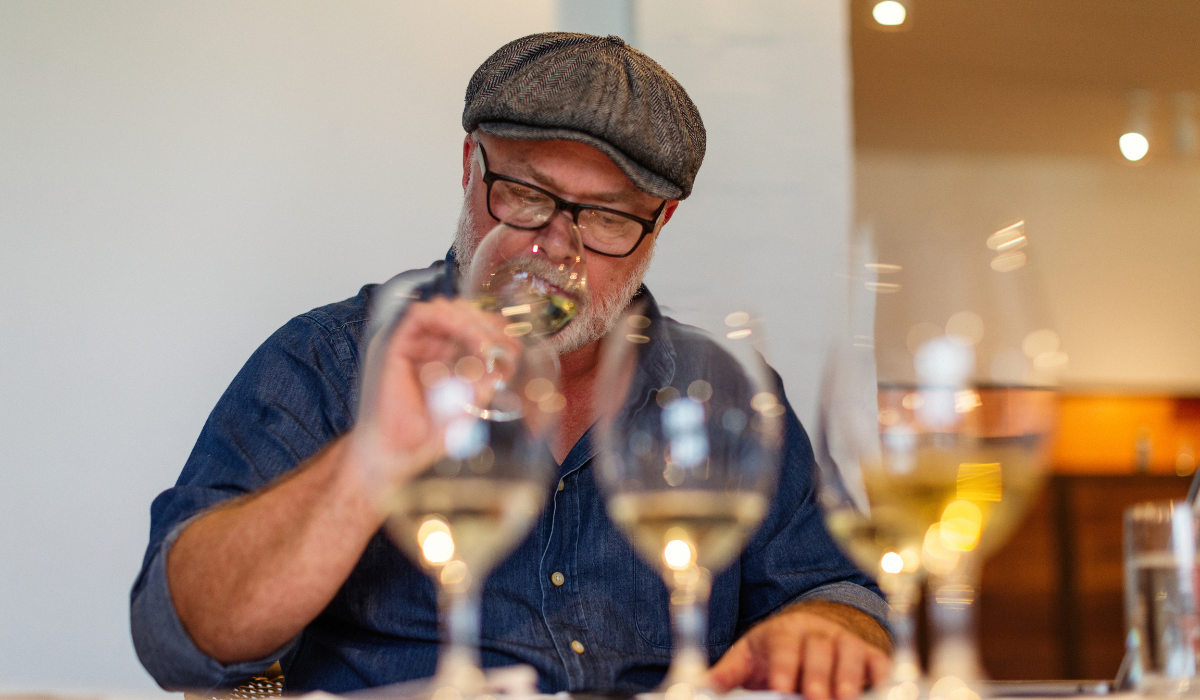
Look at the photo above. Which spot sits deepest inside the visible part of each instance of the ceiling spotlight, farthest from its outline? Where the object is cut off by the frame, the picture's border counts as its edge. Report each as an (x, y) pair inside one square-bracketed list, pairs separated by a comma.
[(889, 13), (1134, 146)]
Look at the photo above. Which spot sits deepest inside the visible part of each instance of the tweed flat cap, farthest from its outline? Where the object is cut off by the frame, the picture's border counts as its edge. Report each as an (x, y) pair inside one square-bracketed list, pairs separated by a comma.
[(598, 91)]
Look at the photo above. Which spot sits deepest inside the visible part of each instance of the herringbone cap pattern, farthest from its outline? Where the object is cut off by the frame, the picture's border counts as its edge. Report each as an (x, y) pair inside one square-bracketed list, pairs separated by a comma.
[(598, 91)]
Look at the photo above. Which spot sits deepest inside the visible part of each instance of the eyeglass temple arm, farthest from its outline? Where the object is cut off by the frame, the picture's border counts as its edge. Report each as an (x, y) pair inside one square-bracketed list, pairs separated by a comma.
[(480, 156)]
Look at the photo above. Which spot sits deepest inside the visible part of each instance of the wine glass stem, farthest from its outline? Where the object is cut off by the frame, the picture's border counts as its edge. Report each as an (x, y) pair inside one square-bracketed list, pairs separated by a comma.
[(458, 664), (953, 615), (901, 591), (689, 622)]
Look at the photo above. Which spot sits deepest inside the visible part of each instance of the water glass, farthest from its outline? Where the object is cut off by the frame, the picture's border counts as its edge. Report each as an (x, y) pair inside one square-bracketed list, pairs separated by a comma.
[(1160, 597)]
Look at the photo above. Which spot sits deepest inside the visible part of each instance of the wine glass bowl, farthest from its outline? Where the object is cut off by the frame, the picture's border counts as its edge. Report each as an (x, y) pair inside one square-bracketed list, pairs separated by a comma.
[(936, 413), (688, 468), (537, 279)]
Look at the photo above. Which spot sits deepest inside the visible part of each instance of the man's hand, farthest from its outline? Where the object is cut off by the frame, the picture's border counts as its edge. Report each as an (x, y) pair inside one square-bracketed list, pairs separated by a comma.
[(397, 434), (818, 648)]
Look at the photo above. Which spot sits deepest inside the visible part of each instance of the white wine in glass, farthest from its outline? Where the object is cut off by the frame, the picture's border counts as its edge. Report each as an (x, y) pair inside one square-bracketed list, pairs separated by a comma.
[(688, 469)]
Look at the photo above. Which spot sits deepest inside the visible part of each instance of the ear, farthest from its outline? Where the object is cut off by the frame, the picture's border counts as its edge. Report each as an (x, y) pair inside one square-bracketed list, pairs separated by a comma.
[(468, 150), (669, 210)]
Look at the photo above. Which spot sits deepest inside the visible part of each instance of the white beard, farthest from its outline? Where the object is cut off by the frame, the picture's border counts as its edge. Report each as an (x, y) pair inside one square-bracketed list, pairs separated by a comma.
[(465, 238), (599, 315), (596, 316)]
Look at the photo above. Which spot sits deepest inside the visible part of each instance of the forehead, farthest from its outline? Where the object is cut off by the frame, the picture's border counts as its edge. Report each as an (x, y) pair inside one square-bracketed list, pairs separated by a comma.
[(568, 167)]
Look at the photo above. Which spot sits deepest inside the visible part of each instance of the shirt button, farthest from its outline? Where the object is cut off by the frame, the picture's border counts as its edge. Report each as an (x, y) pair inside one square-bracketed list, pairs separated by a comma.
[(561, 485), (577, 646), (557, 578)]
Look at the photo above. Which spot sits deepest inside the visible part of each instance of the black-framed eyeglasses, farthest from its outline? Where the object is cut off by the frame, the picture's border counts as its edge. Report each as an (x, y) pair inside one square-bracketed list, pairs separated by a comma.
[(605, 231)]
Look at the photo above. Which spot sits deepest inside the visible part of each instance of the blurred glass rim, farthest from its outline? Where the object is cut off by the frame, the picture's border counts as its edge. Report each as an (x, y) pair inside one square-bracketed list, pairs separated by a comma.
[(1164, 528), (1155, 512), (738, 333), (522, 245), (943, 286)]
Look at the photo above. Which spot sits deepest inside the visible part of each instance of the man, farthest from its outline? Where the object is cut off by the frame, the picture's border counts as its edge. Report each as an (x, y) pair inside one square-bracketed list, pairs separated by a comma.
[(269, 547)]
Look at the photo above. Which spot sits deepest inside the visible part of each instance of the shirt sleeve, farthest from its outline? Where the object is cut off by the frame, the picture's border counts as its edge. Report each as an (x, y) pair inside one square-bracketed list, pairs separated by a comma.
[(295, 394), (792, 557)]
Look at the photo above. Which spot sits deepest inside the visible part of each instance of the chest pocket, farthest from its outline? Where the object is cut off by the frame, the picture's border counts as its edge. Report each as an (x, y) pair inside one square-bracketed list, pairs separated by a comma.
[(652, 606)]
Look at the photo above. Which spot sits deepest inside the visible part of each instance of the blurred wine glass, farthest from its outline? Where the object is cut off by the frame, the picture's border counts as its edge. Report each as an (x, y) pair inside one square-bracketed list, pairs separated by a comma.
[(936, 409), (688, 469), (492, 409)]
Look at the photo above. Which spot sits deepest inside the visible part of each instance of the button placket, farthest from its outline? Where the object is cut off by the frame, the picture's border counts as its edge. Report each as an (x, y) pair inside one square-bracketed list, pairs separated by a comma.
[(561, 607), (559, 603)]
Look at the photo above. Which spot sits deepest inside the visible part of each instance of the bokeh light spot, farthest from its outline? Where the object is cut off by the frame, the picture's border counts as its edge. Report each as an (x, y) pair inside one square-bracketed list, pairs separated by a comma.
[(889, 13), (892, 563)]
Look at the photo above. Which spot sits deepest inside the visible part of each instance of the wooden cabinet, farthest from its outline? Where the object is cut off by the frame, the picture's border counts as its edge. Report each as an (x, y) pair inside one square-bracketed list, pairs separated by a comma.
[(1051, 603)]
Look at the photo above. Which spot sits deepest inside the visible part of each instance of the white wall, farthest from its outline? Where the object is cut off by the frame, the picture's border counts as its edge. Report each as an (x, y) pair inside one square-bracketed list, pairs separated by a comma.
[(1117, 245), (766, 224), (178, 179), (601, 17)]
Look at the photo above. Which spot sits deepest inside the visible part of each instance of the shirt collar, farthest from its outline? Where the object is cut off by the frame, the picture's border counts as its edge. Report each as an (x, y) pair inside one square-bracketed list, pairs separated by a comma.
[(447, 284), (656, 367)]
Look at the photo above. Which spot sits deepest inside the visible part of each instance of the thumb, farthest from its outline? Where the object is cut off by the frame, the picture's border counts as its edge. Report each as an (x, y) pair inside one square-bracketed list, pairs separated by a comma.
[(733, 669)]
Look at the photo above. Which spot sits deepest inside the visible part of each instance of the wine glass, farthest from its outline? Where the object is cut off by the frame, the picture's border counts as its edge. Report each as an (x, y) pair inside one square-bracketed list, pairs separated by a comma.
[(474, 497), (688, 469), (883, 538), (936, 410)]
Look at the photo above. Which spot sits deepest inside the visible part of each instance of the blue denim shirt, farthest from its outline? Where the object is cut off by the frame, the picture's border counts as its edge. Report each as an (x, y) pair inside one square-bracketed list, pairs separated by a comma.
[(300, 390)]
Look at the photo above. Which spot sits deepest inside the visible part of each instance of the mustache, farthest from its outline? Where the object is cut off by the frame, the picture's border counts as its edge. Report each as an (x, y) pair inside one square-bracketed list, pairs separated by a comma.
[(572, 283)]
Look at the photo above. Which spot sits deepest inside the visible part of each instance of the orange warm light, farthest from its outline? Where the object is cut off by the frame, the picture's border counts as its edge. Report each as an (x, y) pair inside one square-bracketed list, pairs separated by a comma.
[(1102, 434)]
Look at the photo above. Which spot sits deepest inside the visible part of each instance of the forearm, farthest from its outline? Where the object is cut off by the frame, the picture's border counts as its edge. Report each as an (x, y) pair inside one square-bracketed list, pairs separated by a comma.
[(249, 576)]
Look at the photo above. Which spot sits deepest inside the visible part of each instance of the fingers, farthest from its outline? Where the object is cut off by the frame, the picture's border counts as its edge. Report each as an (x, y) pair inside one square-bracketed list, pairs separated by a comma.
[(879, 666), (442, 331), (783, 660), (850, 667), (818, 665), (801, 653), (734, 668)]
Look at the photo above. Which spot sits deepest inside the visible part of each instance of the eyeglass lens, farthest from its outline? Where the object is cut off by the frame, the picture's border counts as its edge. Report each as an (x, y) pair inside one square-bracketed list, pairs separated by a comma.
[(606, 232)]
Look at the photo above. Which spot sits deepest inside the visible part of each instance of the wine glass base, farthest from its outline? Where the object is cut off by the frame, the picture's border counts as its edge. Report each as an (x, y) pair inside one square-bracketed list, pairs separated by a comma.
[(710, 694), (683, 690), (687, 677), (515, 681), (945, 687), (899, 689)]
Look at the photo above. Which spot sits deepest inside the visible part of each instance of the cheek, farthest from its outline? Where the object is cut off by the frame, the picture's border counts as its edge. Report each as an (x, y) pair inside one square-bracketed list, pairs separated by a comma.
[(606, 276), (478, 221), (477, 201)]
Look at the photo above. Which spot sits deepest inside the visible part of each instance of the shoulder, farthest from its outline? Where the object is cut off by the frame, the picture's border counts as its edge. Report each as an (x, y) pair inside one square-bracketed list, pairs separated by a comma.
[(337, 316), (345, 325), (341, 325)]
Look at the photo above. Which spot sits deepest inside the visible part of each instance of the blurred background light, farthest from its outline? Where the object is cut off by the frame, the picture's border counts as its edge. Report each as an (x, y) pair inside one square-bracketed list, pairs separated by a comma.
[(889, 13), (1008, 238), (1134, 146), (1135, 142)]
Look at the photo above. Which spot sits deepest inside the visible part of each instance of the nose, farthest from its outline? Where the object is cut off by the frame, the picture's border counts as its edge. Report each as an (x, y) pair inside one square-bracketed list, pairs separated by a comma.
[(559, 239)]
